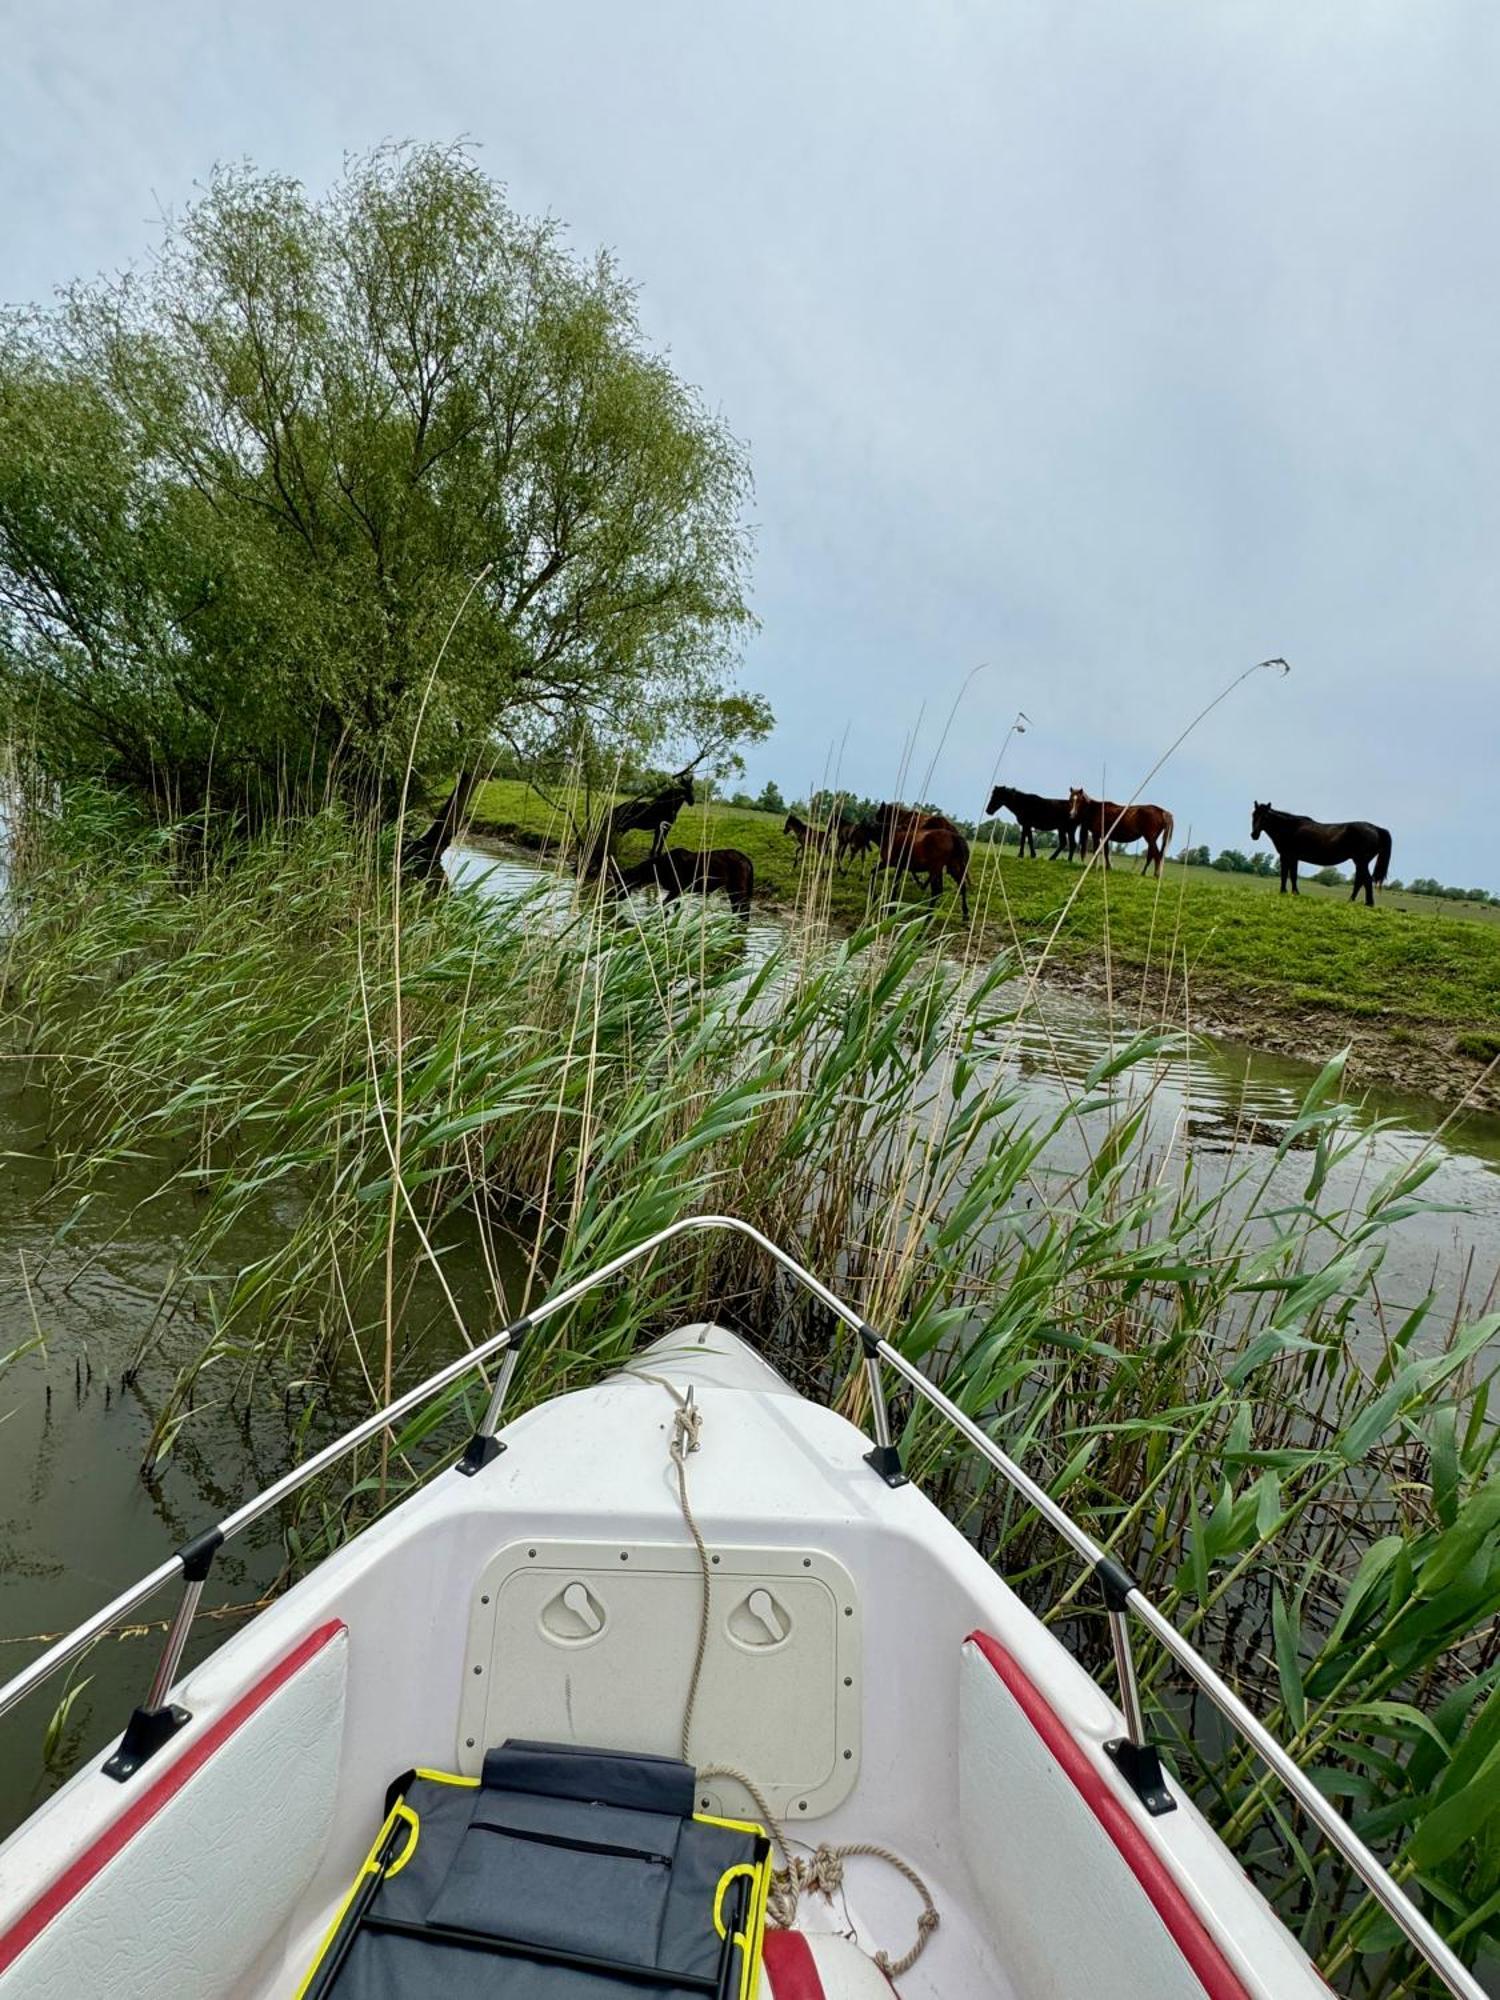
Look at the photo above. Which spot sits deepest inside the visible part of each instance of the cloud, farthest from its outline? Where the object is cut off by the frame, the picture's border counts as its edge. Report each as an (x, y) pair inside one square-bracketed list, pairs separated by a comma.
[(1113, 347)]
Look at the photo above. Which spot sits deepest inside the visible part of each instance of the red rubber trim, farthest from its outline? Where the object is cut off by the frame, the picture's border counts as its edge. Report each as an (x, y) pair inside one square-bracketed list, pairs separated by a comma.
[(788, 1960), (1188, 1931), (100, 1852)]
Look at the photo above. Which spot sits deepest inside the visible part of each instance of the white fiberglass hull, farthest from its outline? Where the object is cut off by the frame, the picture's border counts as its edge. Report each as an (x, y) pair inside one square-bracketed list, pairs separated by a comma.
[(864, 1665)]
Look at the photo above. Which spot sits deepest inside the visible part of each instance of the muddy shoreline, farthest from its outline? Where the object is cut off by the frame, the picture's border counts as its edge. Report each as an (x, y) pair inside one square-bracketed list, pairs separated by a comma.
[(1398, 1053)]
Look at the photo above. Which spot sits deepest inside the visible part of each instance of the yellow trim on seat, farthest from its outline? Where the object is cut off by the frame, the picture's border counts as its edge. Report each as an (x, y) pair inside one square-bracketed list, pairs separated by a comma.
[(369, 1866), (740, 1868), (401, 1810), (749, 1941)]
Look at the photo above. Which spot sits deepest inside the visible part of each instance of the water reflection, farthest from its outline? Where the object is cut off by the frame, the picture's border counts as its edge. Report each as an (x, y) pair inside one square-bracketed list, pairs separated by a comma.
[(1213, 1102)]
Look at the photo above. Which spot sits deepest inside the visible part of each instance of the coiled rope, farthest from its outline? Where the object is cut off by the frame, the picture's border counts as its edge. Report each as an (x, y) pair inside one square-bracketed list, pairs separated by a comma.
[(823, 1871)]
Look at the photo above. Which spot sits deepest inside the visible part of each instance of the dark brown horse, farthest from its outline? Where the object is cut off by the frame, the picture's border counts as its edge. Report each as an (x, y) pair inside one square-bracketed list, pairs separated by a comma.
[(1298, 838), (857, 837), (680, 871), (1029, 811), (822, 839), (1104, 821), (919, 843)]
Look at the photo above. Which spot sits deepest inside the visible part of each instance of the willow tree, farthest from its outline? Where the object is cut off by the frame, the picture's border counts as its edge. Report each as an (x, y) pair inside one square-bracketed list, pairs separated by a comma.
[(336, 487)]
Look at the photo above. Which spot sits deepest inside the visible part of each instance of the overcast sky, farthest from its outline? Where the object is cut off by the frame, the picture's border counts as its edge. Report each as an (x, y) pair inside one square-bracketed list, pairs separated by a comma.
[(1107, 348)]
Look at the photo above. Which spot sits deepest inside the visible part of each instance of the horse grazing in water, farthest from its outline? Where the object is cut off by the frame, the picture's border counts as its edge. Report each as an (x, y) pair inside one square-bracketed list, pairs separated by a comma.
[(822, 838), (920, 843), (680, 871), (1030, 811), (1104, 821), (1298, 838)]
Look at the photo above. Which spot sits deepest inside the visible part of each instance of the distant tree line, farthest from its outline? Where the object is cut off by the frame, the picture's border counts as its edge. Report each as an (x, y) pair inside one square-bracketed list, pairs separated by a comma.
[(1231, 861)]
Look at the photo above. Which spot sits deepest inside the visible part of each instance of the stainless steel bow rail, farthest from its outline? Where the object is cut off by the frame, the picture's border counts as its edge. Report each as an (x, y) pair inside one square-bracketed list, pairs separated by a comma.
[(1135, 1755)]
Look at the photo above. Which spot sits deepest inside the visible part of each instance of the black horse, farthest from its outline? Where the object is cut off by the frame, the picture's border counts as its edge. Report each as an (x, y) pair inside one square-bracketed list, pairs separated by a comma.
[(655, 810), (1029, 812), (677, 871), (1298, 838)]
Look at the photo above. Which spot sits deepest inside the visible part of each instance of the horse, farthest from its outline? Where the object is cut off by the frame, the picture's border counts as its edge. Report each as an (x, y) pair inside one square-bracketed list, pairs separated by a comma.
[(927, 844), (1298, 838), (679, 871), (1104, 821), (1029, 812), (656, 810), (856, 838), (807, 835)]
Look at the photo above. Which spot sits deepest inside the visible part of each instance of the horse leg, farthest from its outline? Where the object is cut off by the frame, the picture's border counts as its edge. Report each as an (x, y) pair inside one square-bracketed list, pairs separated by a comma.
[(1292, 867), (963, 890)]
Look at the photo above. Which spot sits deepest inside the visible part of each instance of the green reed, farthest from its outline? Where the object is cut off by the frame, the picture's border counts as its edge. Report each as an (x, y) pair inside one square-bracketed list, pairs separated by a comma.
[(1204, 1373)]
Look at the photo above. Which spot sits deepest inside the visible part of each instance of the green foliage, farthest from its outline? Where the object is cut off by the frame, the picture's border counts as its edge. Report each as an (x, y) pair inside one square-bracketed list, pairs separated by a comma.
[(1427, 885), (1316, 1503), (244, 496), (1231, 861)]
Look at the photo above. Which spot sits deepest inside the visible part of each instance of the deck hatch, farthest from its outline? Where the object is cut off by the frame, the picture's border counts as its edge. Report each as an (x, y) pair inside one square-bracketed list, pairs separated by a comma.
[(593, 1642)]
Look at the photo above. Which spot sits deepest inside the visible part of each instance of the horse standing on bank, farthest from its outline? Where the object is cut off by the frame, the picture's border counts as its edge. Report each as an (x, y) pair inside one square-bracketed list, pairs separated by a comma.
[(1298, 838), (857, 838), (918, 843), (1030, 811), (1103, 821), (822, 839)]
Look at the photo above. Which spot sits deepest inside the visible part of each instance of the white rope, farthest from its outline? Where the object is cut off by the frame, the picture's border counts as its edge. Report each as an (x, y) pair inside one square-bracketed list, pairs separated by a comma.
[(823, 1871)]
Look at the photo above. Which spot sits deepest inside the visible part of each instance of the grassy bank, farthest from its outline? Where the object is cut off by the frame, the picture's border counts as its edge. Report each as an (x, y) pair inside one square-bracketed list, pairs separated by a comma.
[(1415, 993), (1319, 1508)]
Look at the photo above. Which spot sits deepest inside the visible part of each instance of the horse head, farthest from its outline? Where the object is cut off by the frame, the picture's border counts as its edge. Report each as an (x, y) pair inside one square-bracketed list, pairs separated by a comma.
[(1259, 817), (998, 798), (1078, 802)]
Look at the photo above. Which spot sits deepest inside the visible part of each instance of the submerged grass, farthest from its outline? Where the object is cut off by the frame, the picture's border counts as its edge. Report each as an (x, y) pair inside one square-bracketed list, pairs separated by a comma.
[(1311, 1492)]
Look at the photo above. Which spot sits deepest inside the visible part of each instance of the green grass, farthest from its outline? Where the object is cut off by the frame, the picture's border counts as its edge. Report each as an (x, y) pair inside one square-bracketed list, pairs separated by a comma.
[(1229, 934)]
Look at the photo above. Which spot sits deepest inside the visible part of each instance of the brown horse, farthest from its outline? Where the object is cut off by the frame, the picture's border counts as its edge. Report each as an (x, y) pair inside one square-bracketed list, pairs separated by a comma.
[(1030, 811), (1104, 821), (679, 871), (919, 843), (1298, 838)]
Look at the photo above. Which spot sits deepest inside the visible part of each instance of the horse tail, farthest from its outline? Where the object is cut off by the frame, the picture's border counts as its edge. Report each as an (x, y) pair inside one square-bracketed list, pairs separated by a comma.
[(1168, 826), (1382, 853)]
